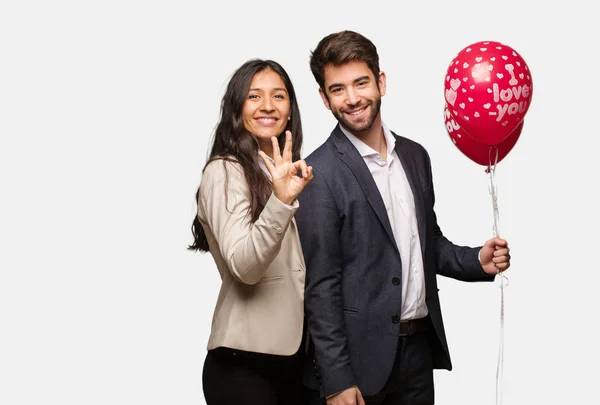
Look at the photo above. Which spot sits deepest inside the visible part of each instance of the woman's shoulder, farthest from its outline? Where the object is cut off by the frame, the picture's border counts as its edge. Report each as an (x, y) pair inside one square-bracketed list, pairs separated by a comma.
[(221, 168)]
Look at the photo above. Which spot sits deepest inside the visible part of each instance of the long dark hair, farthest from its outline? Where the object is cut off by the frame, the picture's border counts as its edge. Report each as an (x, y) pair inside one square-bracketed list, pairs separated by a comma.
[(231, 140)]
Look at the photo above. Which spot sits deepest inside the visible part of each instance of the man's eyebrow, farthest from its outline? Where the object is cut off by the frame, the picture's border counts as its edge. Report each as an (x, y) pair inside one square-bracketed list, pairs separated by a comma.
[(334, 85)]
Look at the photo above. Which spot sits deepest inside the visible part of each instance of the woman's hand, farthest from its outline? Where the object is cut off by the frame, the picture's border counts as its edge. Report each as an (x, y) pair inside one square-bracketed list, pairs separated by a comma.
[(287, 184)]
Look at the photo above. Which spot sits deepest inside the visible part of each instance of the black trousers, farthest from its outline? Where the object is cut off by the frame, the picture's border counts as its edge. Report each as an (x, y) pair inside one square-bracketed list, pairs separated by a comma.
[(236, 377), (411, 379)]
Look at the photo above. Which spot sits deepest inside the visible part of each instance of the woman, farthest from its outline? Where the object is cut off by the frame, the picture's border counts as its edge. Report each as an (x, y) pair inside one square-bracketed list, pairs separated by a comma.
[(246, 205)]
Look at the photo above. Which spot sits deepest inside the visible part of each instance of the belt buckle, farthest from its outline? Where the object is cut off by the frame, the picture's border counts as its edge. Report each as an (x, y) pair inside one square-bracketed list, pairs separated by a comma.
[(408, 326)]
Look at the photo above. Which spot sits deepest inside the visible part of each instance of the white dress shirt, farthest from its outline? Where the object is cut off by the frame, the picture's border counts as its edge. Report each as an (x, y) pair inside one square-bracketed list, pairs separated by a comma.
[(397, 196)]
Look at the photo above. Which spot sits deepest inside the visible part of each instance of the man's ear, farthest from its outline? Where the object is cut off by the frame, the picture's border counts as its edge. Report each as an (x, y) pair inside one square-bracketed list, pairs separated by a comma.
[(325, 99), (381, 83)]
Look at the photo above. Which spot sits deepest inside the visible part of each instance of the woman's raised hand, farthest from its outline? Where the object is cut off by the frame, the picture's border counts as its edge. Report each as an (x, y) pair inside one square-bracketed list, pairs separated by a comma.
[(287, 184)]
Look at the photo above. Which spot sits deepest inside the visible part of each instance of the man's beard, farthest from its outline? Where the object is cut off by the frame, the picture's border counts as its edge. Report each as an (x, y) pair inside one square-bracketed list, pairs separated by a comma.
[(364, 124)]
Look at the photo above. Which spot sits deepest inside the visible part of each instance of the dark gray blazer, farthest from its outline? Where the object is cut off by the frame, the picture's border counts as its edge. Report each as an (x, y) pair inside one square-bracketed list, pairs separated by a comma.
[(352, 306)]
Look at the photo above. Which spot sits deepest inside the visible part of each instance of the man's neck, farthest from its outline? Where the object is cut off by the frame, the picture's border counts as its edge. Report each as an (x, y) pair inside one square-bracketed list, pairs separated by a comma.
[(373, 137)]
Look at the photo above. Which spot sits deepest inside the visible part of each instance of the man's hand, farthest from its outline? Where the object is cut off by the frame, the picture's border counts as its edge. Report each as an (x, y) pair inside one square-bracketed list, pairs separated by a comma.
[(350, 396), (495, 256)]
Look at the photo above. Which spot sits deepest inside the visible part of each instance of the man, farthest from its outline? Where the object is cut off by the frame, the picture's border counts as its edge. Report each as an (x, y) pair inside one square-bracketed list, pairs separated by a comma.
[(372, 245)]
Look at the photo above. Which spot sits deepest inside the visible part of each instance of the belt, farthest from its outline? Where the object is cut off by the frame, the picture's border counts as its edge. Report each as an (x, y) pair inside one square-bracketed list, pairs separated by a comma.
[(412, 326)]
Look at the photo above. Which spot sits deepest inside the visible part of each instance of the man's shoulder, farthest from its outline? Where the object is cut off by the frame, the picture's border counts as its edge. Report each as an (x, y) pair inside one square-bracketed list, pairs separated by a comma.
[(323, 156)]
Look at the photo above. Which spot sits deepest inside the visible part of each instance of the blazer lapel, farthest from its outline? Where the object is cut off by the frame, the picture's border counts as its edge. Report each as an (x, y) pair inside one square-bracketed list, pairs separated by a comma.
[(357, 165), (409, 165)]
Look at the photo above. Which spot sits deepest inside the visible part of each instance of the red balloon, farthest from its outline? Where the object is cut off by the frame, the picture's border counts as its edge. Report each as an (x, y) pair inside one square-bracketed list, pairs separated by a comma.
[(488, 90), (478, 152)]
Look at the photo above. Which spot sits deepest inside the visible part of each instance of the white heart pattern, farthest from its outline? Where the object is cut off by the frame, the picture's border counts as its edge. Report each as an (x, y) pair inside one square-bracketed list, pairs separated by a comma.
[(504, 57), (470, 99), (478, 59), (483, 49), (465, 65), (455, 70), (489, 91), (450, 96), (462, 105), (493, 58), (521, 75), (455, 84), (472, 86), (500, 75), (476, 114), (487, 106)]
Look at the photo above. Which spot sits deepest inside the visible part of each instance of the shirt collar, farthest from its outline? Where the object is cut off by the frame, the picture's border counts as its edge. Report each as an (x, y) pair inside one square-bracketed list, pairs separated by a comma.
[(364, 149), (263, 166)]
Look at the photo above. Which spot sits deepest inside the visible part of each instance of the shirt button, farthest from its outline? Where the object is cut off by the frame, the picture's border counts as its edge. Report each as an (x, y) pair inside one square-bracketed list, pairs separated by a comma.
[(395, 319), (278, 229), (395, 281)]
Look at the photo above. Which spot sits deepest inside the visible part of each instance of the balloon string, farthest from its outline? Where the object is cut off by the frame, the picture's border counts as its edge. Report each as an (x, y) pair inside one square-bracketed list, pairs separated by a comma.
[(493, 188)]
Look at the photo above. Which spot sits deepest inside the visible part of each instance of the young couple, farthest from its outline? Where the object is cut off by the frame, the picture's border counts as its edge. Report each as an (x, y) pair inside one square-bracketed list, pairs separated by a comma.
[(329, 264)]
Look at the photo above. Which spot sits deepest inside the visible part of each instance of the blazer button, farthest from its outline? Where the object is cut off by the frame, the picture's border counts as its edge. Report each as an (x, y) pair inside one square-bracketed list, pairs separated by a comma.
[(395, 281), (395, 319)]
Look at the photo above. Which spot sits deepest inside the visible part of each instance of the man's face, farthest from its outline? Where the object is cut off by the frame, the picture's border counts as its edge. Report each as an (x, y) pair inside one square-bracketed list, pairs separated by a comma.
[(353, 95)]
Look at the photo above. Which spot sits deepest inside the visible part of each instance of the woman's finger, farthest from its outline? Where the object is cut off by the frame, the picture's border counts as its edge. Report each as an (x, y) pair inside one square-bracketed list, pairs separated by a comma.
[(276, 151), (267, 161), (301, 165), (287, 149)]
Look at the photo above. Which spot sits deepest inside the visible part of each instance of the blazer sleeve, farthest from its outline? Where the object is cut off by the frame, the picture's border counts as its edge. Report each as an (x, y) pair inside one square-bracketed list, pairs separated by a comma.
[(224, 202), (319, 226), (454, 261)]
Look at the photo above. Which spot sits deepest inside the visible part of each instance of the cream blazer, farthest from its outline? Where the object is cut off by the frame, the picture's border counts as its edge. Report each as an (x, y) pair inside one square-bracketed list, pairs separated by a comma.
[(260, 307)]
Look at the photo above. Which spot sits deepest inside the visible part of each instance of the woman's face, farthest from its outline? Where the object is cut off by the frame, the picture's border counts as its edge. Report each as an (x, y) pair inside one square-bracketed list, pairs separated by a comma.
[(267, 107)]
